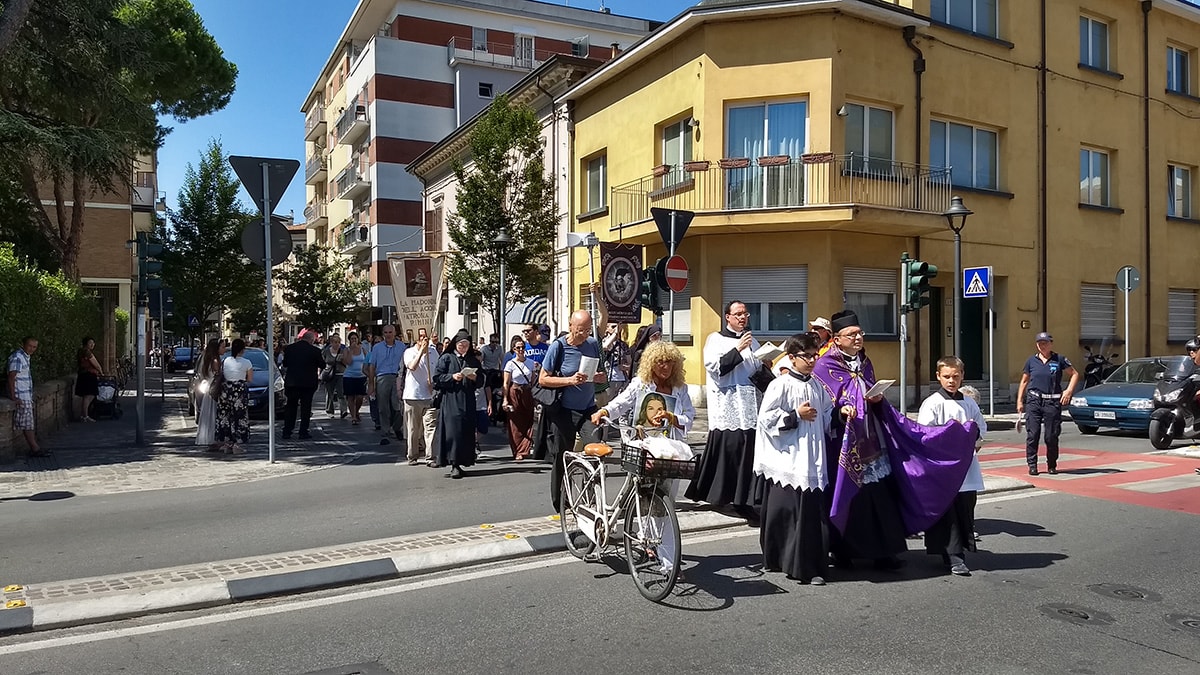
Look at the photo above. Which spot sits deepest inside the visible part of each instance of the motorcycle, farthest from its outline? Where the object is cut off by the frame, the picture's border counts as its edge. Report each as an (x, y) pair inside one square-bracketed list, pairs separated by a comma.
[(1099, 366), (1176, 414)]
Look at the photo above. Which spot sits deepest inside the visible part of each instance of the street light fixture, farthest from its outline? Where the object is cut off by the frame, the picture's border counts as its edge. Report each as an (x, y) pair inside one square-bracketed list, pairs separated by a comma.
[(501, 242), (957, 213)]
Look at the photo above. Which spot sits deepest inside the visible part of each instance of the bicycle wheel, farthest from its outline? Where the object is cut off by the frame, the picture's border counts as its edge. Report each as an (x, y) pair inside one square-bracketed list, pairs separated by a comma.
[(652, 545), (577, 492)]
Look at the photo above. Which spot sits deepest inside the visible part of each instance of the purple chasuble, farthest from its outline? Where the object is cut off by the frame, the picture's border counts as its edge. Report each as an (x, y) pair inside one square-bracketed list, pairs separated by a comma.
[(928, 463)]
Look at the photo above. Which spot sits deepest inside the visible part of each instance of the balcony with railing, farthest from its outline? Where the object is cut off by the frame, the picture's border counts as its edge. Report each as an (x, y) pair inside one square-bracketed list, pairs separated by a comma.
[(354, 181), (495, 54), (352, 124), (314, 213), (356, 234), (315, 125), (821, 180), (316, 168)]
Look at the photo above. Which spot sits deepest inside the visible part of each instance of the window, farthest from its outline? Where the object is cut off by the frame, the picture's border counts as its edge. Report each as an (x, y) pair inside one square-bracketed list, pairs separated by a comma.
[(971, 153), (871, 293), (682, 313), (977, 16), (1179, 191), (1093, 43), (1093, 177), (485, 90), (676, 149), (479, 39), (523, 50), (769, 129), (1179, 70), (776, 297), (1181, 315), (869, 138), (597, 185), (1097, 311), (581, 47)]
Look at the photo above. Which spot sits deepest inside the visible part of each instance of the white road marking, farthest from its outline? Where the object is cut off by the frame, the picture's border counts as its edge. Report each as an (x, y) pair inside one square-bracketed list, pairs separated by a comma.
[(286, 606), (1161, 485), (1021, 461)]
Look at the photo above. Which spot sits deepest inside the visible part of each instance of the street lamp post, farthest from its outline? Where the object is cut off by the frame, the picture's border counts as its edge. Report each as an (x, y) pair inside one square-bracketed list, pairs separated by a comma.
[(502, 241), (957, 213)]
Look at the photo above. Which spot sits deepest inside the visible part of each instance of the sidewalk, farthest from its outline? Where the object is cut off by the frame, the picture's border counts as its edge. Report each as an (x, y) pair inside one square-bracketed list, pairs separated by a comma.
[(100, 599)]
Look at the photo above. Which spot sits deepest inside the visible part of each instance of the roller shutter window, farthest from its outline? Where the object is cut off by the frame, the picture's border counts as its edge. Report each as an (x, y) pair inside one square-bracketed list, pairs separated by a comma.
[(871, 293), (1097, 311), (1181, 315), (683, 312), (776, 297)]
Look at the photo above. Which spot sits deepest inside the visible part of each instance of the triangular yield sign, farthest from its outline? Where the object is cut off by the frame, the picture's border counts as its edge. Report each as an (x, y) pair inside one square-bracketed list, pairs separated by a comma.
[(662, 218), (279, 176)]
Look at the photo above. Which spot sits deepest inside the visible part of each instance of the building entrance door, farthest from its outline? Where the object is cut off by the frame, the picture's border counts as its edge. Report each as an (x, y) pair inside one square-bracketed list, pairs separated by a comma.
[(973, 339)]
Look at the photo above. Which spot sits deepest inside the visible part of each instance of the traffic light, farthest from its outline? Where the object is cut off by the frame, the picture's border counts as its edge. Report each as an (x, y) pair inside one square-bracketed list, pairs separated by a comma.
[(149, 267), (650, 290), (917, 275)]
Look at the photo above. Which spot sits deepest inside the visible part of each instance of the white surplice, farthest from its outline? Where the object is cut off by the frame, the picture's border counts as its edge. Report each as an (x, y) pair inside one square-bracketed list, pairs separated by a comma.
[(788, 449)]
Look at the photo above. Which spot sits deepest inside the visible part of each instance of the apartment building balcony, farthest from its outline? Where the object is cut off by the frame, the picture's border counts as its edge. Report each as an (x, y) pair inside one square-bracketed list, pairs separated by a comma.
[(496, 55), (352, 124), (354, 181), (815, 191), (314, 213), (315, 125), (356, 234), (316, 168)]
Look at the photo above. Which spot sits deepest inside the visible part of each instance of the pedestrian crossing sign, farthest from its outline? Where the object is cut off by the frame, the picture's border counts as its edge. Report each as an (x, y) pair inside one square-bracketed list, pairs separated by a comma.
[(977, 282)]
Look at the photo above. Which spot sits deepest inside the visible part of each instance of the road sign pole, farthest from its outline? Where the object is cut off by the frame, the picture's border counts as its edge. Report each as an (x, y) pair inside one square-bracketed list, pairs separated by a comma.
[(140, 367), (162, 339), (671, 297), (991, 354), (1125, 271), (270, 315), (957, 293), (903, 335)]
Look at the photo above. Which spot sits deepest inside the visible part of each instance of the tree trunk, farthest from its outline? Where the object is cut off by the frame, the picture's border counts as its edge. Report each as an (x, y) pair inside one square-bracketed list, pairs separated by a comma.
[(12, 20), (73, 234)]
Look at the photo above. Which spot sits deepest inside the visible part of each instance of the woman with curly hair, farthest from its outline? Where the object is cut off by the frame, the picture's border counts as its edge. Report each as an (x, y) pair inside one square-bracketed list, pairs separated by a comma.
[(660, 371)]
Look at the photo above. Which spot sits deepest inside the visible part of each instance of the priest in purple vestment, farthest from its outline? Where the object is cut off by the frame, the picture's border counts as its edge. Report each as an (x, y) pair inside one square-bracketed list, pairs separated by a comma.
[(891, 476)]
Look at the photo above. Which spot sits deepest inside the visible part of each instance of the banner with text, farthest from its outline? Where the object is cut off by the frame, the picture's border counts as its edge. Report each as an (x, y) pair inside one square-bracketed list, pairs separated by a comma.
[(621, 281), (417, 286)]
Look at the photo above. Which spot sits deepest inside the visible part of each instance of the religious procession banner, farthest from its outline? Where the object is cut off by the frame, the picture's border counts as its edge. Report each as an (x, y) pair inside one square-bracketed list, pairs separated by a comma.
[(621, 281), (417, 287)]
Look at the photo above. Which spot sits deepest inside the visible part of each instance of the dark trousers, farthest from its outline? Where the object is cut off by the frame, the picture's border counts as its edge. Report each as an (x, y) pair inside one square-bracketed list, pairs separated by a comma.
[(297, 397), (1041, 412), (565, 426)]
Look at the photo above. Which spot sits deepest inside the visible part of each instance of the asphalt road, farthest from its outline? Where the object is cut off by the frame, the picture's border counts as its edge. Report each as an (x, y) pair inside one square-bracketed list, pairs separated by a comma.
[(371, 499), (1066, 585)]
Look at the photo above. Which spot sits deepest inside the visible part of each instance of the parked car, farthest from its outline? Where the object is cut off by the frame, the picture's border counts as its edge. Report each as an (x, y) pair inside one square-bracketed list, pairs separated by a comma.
[(182, 358), (1125, 399), (257, 391)]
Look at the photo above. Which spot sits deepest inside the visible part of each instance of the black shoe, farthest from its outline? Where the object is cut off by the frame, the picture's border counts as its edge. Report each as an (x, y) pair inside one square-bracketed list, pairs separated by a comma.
[(889, 564), (1033, 471), (377, 427), (843, 562), (345, 415), (286, 435), (456, 472), (384, 441), (304, 436), (1053, 471)]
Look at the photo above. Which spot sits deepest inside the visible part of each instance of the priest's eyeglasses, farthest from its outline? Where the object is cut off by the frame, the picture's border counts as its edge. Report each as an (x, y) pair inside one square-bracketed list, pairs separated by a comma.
[(805, 355), (853, 336)]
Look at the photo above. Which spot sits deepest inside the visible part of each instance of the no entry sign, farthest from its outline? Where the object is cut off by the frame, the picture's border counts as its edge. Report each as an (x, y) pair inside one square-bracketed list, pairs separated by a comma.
[(677, 273)]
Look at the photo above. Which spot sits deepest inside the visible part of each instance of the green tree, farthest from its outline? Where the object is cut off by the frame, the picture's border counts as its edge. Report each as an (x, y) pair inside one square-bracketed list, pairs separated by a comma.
[(203, 263), (504, 188), (82, 86), (317, 283)]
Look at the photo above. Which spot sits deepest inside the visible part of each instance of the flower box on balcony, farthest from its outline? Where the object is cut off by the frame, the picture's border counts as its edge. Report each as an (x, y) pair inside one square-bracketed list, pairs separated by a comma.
[(734, 162), (661, 170), (698, 165), (774, 160)]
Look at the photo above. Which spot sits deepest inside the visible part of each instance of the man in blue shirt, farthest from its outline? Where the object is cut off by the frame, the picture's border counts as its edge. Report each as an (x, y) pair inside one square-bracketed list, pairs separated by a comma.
[(1041, 397), (385, 385), (572, 415), (535, 346)]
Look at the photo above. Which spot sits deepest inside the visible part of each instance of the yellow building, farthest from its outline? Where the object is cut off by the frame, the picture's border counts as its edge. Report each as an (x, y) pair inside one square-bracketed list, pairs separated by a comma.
[(818, 141)]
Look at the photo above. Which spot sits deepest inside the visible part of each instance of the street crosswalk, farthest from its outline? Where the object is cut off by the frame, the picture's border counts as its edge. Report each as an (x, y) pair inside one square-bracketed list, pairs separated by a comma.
[(1156, 481)]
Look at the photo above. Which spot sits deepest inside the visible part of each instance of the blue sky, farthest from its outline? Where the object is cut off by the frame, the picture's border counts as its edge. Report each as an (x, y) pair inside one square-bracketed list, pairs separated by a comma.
[(279, 47)]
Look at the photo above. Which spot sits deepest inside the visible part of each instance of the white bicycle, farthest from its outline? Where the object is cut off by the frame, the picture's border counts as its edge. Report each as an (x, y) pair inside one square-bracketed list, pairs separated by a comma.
[(644, 505)]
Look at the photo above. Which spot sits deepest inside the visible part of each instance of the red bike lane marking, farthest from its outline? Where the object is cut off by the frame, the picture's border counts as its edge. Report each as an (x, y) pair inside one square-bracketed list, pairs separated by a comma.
[(1102, 475)]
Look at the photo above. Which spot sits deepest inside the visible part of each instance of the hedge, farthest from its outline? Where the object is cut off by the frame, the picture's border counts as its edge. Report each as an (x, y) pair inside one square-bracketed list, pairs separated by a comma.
[(55, 310)]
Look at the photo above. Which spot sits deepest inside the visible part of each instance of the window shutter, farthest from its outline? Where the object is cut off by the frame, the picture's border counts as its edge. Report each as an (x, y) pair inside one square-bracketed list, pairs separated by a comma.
[(1097, 311), (870, 280), (683, 310), (764, 284), (1181, 315)]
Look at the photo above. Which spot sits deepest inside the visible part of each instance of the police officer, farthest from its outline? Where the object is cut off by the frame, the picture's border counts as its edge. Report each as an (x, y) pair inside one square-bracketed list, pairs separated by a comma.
[(1041, 397)]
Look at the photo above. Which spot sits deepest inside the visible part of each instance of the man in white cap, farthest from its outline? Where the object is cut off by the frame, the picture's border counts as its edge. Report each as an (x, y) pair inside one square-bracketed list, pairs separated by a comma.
[(821, 327)]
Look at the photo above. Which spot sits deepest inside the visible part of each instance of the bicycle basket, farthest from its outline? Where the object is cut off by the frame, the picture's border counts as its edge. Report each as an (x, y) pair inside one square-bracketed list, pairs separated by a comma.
[(639, 462)]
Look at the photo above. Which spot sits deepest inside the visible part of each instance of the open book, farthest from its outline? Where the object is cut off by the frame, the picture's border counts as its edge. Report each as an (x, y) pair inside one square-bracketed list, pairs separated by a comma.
[(768, 352), (880, 387)]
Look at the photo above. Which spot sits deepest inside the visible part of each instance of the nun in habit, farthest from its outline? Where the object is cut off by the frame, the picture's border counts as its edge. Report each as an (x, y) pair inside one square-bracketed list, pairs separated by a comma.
[(725, 473), (456, 414), (789, 454)]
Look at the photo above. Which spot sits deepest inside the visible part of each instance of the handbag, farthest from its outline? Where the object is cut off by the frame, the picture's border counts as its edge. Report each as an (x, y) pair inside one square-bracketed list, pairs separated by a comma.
[(326, 373)]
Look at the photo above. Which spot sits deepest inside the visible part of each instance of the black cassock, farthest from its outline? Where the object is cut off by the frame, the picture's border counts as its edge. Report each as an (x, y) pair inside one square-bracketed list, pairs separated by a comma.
[(456, 416)]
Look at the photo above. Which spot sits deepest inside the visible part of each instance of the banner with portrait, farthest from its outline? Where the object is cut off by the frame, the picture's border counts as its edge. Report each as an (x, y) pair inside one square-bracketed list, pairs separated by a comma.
[(417, 287), (621, 281)]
